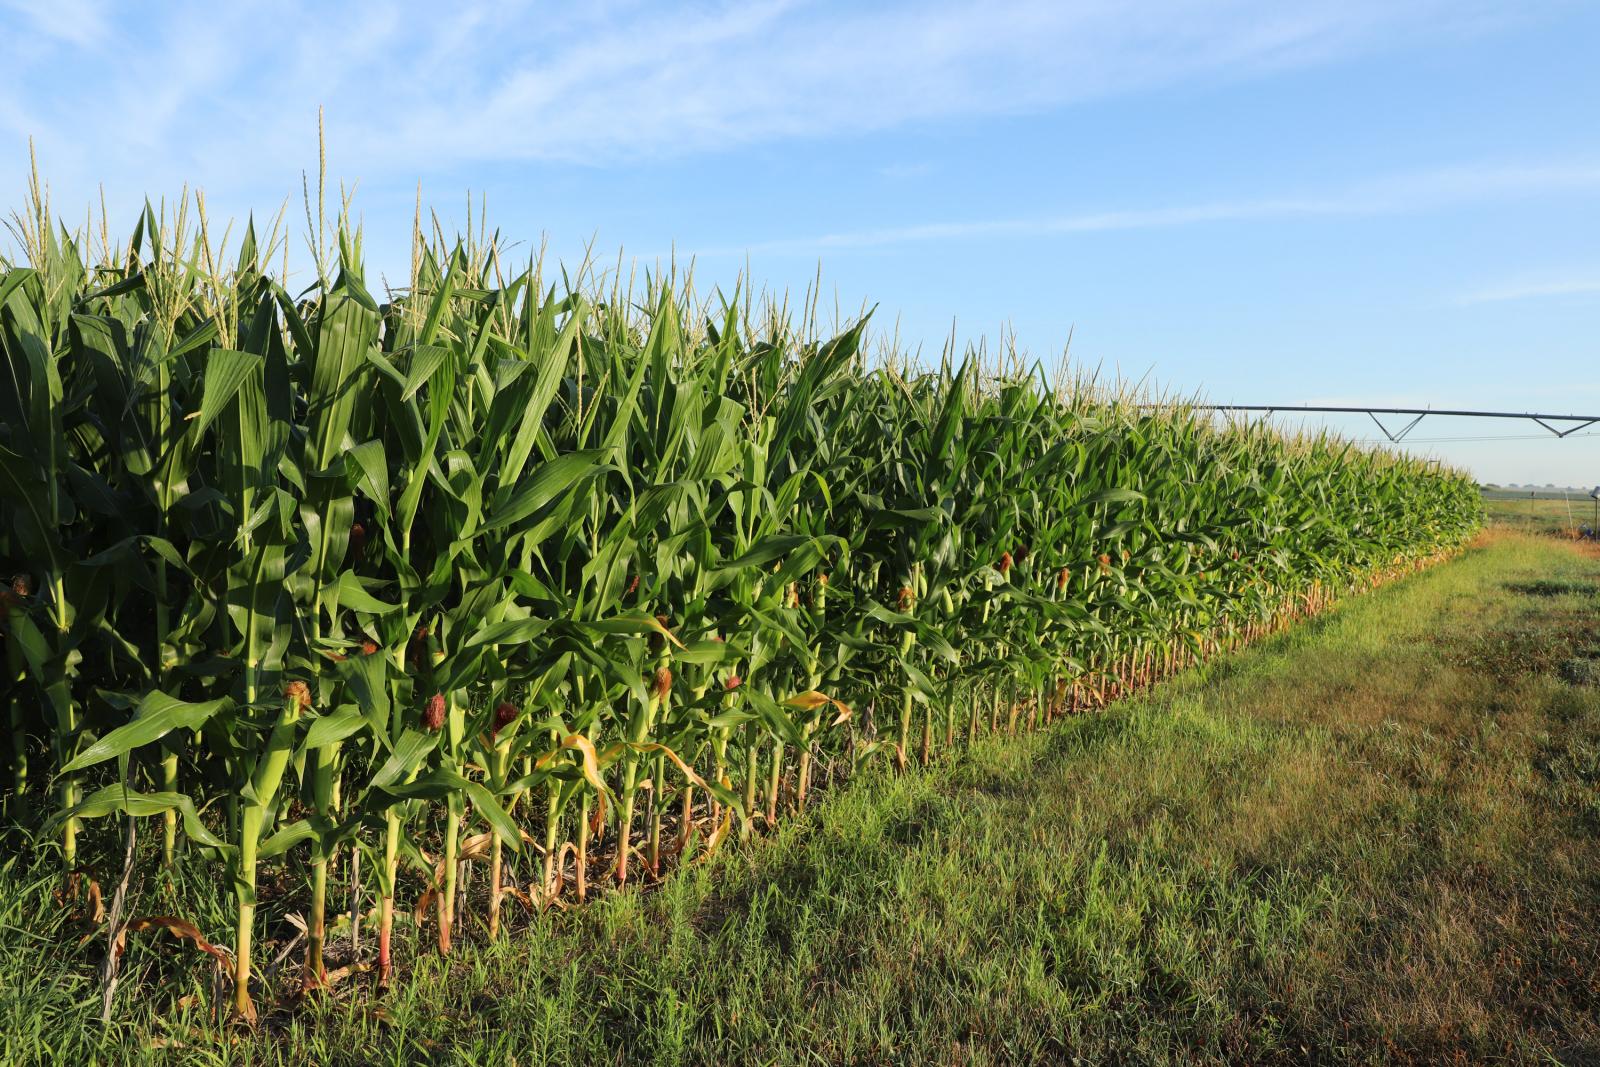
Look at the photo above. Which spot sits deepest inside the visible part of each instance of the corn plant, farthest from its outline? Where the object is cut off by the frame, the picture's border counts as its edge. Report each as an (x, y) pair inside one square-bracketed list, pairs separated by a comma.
[(574, 575)]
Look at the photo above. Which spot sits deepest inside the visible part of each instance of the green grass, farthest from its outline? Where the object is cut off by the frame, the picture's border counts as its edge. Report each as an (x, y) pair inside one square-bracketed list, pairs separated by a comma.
[(1376, 839), (1540, 512)]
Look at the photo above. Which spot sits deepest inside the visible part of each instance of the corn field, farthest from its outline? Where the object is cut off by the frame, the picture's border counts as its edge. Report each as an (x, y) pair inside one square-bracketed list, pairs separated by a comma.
[(449, 604)]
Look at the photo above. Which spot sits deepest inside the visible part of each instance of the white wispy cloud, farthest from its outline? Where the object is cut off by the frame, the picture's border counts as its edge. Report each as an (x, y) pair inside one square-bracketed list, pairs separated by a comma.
[(78, 22), (214, 90), (1421, 191), (644, 80), (905, 171), (1526, 290)]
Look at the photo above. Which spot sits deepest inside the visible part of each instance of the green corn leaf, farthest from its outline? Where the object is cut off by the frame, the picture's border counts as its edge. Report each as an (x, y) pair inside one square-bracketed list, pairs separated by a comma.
[(115, 799), (546, 484), (226, 371), (286, 837), (339, 725), (157, 715), (409, 754)]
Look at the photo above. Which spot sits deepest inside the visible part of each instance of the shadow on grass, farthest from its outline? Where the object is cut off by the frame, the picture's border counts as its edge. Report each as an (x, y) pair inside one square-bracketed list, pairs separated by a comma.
[(1546, 587)]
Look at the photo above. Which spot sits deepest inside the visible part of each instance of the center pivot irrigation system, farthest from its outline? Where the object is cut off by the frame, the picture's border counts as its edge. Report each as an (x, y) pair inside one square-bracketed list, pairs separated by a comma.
[(1576, 422)]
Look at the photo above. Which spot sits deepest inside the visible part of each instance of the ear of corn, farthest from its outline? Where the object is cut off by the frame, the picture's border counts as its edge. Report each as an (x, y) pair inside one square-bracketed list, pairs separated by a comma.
[(490, 562)]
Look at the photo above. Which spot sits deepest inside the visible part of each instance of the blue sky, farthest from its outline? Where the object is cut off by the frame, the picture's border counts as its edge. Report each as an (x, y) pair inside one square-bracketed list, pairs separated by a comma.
[(1328, 201)]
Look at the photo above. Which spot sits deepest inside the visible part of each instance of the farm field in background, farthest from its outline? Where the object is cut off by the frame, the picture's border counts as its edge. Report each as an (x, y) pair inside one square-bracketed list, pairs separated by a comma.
[(1541, 511)]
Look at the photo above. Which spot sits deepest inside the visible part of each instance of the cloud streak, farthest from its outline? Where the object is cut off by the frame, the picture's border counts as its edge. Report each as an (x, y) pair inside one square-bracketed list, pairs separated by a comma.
[(646, 81), (1580, 286), (426, 88), (81, 23), (1424, 191)]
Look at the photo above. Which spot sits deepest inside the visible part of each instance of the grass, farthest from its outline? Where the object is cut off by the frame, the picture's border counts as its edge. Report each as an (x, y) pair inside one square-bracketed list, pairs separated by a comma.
[(1376, 839)]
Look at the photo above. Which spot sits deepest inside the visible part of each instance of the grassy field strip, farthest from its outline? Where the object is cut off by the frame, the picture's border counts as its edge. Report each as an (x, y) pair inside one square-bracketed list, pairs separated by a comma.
[(1373, 839), (1559, 515)]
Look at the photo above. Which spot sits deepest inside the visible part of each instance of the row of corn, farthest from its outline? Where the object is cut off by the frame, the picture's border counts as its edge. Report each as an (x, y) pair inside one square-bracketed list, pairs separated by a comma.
[(486, 573)]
